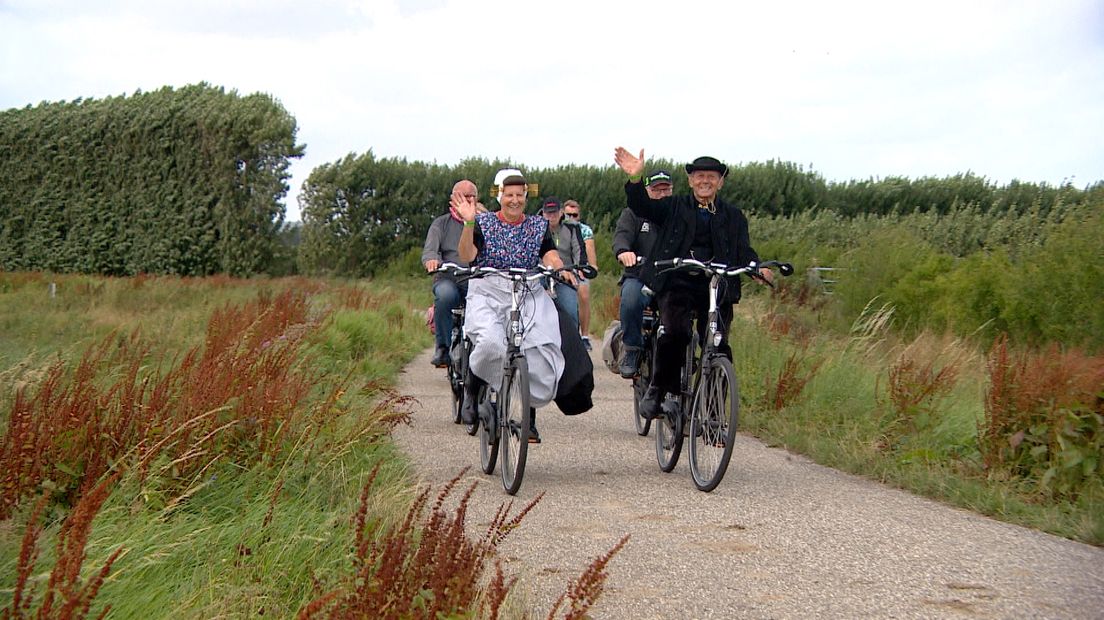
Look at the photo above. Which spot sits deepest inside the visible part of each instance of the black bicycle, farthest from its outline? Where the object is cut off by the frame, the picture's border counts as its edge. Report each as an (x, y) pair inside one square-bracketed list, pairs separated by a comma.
[(707, 407), (505, 415), (459, 347)]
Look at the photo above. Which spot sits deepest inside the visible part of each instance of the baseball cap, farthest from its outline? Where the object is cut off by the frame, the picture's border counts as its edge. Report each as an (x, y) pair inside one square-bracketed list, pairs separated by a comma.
[(551, 204), (659, 176)]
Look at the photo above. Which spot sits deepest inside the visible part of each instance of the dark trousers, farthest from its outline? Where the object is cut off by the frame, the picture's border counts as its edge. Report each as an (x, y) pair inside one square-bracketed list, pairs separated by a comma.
[(677, 306)]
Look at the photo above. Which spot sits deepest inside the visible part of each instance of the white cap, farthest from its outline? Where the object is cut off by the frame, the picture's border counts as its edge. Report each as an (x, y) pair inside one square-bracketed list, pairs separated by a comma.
[(501, 176)]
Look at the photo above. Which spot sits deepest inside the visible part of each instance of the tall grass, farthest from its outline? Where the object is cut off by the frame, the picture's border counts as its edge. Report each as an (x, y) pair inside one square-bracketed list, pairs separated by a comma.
[(212, 473), (920, 409)]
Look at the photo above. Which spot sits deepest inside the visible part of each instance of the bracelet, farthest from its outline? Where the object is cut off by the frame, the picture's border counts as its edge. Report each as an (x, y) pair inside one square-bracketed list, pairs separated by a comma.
[(469, 223), (635, 178)]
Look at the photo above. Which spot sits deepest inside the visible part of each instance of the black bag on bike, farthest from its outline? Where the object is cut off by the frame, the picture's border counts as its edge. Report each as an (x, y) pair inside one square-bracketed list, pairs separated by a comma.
[(573, 395)]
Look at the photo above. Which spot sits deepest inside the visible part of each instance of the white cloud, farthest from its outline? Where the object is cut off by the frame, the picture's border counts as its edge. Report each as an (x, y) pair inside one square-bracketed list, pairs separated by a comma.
[(854, 89)]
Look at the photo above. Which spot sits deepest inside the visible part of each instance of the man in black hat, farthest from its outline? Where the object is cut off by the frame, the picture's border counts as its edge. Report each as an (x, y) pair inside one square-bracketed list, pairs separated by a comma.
[(633, 239), (698, 226)]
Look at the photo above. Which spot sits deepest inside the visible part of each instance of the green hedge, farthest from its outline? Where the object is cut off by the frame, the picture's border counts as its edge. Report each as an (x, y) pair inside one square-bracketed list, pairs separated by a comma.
[(186, 181)]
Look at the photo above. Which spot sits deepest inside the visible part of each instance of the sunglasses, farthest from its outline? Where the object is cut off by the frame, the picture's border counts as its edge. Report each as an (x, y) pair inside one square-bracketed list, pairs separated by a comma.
[(570, 214)]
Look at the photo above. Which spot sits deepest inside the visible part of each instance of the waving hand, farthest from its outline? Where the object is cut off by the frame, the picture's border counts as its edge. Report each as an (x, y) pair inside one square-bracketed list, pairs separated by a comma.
[(632, 165)]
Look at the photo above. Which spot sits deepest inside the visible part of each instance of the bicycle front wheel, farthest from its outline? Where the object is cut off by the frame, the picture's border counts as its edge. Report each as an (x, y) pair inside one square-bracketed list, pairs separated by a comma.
[(513, 400), (713, 422), (487, 427), (640, 385)]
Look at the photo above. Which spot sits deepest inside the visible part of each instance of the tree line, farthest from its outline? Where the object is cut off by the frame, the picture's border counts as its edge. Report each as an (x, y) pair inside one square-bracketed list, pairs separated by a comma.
[(185, 181), (361, 211), (190, 181)]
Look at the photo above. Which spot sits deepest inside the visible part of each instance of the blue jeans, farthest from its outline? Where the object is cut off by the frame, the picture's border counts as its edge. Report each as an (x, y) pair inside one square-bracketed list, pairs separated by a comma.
[(446, 296), (633, 302), (567, 299)]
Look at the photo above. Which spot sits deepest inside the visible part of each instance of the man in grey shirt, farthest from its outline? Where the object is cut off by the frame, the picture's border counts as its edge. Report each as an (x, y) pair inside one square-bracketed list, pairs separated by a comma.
[(440, 247)]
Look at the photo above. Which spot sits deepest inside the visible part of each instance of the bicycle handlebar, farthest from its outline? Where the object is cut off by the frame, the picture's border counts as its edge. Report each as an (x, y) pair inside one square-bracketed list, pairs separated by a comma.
[(721, 269), (513, 273), (588, 271)]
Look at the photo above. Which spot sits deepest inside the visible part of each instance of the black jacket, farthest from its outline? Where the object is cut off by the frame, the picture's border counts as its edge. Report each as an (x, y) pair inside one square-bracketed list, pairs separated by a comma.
[(677, 217), (634, 234)]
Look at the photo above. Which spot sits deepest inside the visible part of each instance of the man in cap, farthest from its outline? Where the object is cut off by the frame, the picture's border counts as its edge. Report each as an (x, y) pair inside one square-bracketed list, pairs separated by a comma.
[(573, 214), (698, 226), (569, 243), (633, 239)]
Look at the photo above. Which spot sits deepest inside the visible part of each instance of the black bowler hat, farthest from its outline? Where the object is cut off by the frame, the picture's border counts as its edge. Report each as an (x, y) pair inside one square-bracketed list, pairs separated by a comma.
[(708, 164)]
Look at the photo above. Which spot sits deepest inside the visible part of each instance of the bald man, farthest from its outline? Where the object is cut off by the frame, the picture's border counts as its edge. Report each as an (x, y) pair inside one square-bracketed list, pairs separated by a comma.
[(440, 247)]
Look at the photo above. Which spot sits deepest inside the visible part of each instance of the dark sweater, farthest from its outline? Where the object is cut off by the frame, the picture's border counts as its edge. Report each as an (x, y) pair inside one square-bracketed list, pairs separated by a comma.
[(677, 217)]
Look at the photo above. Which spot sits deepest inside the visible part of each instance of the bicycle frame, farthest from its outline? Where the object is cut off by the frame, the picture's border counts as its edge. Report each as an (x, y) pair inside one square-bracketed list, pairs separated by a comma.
[(501, 435), (708, 402)]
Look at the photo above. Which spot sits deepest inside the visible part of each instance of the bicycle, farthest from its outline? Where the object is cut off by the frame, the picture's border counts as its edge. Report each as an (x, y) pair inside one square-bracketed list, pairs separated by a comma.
[(505, 415), (459, 347), (706, 409)]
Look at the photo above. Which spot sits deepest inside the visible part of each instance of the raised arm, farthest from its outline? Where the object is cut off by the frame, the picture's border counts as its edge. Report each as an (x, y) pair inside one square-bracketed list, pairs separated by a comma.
[(467, 208), (633, 165)]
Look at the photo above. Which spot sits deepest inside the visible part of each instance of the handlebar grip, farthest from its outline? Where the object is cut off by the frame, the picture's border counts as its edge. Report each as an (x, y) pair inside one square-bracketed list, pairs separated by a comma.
[(588, 271)]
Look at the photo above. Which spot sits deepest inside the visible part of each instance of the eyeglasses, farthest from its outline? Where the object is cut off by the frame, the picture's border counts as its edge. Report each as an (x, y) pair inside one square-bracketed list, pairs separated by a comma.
[(569, 214)]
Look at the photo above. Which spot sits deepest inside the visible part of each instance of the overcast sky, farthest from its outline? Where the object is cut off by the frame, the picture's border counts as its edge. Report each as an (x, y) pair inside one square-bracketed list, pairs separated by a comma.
[(853, 90)]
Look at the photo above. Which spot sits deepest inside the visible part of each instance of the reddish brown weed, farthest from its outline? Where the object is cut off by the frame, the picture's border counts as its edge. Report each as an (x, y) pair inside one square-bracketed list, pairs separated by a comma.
[(1044, 416), (67, 595), (795, 373), (241, 396), (428, 567), (914, 390)]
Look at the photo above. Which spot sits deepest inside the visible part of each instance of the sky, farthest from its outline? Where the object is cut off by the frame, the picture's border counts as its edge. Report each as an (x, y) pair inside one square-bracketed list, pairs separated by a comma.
[(1005, 89)]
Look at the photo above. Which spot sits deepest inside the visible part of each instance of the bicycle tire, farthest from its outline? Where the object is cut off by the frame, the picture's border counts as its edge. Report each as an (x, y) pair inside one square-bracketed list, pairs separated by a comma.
[(668, 434), (513, 401), (457, 396), (487, 426), (456, 372), (713, 421), (640, 385)]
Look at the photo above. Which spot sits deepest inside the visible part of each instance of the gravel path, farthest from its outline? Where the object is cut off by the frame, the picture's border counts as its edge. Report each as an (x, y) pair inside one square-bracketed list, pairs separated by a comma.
[(781, 537)]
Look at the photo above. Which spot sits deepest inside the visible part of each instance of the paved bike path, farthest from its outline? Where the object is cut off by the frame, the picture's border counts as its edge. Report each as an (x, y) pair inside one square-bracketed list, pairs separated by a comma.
[(780, 537)]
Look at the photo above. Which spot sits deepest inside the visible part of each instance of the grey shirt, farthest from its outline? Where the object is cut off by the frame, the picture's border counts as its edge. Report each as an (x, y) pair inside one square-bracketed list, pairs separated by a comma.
[(569, 242), (442, 241)]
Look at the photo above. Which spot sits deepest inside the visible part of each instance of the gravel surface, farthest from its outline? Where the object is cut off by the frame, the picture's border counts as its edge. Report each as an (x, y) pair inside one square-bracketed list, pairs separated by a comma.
[(781, 537)]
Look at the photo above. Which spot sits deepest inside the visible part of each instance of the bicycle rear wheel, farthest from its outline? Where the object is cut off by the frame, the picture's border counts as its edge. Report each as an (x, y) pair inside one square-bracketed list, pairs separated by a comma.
[(713, 420), (513, 399), (487, 426)]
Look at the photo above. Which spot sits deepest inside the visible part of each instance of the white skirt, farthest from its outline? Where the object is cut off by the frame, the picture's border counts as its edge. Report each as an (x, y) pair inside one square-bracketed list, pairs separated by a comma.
[(485, 321)]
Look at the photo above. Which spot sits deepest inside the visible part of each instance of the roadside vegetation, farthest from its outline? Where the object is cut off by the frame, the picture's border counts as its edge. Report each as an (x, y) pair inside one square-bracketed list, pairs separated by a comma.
[(220, 447), (968, 371)]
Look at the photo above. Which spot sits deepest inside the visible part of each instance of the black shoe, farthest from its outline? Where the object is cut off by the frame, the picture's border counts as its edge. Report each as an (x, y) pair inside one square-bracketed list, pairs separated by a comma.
[(586, 343), (441, 358), (467, 409), (650, 402), (630, 362)]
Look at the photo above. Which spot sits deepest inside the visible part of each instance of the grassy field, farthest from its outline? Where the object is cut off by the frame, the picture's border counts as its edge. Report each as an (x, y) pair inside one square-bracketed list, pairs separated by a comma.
[(198, 448), (219, 448)]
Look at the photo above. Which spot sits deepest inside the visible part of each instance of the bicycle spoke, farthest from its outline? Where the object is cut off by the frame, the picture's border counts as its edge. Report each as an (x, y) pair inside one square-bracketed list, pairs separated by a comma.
[(516, 421), (713, 425)]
